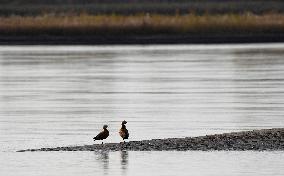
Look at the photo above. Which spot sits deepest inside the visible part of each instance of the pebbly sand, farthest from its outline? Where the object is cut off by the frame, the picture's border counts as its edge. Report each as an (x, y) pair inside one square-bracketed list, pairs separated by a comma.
[(259, 140)]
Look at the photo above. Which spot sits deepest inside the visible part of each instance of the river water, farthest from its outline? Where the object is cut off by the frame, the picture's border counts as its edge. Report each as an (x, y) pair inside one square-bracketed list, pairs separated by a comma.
[(62, 95)]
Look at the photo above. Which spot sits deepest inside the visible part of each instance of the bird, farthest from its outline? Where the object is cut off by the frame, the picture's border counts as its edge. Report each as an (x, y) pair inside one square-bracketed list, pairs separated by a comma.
[(123, 132), (102, 135)]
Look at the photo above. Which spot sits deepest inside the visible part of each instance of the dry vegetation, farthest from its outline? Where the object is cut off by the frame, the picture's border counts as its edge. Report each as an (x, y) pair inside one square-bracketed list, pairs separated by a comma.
[(85, 24)]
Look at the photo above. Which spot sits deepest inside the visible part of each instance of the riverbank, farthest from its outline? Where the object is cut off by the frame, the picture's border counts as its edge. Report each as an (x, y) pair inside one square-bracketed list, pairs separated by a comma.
[(258, 140), (141, 29), (132, 39)]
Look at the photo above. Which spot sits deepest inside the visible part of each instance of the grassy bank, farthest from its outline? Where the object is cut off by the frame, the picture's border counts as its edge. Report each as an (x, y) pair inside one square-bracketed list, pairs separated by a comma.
[(141, 24)]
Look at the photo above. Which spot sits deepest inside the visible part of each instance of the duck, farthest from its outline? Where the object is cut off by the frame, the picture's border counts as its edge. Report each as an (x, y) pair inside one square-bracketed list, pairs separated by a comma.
[(102, 135), (123, 132)]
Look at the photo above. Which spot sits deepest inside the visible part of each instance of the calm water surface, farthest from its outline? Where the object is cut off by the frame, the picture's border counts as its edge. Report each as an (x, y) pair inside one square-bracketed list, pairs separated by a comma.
[(62, 95)]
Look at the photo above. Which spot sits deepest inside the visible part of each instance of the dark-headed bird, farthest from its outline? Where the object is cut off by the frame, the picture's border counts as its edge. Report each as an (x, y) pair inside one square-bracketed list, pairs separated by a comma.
[(123, 132), (102, 135)]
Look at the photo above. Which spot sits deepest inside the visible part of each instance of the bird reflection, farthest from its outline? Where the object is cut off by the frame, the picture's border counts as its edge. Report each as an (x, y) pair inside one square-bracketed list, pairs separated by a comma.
[(103, 157), (124, 160)]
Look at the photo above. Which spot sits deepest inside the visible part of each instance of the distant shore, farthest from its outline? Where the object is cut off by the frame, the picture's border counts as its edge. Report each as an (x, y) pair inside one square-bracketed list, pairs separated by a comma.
[(137, 39), (258, 140), (130, 7), (141, 29)]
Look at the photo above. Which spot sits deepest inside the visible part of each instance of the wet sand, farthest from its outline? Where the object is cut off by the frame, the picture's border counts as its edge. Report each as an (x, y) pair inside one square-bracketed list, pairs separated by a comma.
[(258, 140)]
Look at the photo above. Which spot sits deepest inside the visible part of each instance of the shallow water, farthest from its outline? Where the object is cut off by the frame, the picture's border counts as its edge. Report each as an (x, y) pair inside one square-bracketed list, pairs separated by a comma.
[(144, 163), (62, 95)]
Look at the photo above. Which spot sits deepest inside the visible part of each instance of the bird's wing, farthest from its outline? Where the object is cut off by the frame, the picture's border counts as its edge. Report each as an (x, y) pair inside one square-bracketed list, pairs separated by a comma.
[(99, 136), (126, 133)]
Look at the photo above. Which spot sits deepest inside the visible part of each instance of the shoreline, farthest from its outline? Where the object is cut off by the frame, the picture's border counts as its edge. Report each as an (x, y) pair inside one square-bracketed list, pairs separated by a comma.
[(256, 140), (141, 29), (140, 39)]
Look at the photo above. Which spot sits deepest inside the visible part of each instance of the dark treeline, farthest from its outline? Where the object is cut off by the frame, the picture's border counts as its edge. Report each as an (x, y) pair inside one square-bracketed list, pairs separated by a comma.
[(94, 1), (54, 2), (37, 7)]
